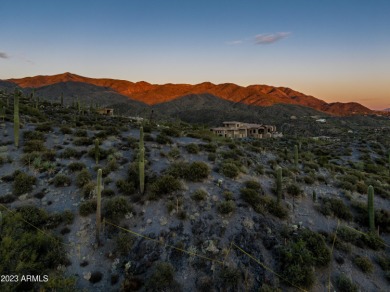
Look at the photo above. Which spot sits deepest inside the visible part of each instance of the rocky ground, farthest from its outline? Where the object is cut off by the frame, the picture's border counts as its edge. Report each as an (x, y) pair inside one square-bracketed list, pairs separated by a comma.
[(175, 222)]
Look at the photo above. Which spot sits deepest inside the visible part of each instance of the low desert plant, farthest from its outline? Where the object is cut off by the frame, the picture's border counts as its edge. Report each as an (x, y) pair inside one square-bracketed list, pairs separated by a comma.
[(61, 180), (23, 183)]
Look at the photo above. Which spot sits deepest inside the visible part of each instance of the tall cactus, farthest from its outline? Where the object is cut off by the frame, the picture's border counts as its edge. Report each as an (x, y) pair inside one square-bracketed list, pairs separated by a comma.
[(389, 161), (296, 155), (16, 119), (370, 207), (3, 113), (141, 165), (62, 99), (279, 184), (141, 137), (78, 105), (97, 151), (98, 205), (141, 162), (1, 221)]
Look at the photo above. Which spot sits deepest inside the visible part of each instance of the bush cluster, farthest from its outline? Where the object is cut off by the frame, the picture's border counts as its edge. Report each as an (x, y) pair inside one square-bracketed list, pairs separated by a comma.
[(163, 186)]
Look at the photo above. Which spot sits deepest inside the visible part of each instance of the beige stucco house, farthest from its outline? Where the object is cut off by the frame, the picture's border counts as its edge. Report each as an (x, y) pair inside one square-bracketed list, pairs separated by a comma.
[(242, 130)]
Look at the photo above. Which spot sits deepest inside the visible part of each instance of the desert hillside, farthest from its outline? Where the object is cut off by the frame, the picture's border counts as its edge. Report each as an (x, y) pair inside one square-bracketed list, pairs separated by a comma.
[(151, 94)]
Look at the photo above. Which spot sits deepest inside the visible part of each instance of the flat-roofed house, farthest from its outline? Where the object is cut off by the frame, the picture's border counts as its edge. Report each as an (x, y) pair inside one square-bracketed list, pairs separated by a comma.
[(235, 129), (106, 111)]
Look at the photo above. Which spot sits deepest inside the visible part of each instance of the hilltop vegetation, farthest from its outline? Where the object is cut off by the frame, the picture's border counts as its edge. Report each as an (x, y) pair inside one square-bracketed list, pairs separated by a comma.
[(298, 205)]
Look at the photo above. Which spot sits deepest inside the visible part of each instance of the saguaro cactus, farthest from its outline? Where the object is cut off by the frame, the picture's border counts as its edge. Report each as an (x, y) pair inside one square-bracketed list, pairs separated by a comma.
[(141, 137), (1, 221), (62, 99), (97, 151), (370, 207), (141, 164), (279, 184), (296, 155), (389, 161), (3, 113), (98, 204), (16, 119)]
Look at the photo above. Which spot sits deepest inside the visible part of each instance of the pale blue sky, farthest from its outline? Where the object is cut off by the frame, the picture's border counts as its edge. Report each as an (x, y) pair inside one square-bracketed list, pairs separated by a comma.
[(333, 50)]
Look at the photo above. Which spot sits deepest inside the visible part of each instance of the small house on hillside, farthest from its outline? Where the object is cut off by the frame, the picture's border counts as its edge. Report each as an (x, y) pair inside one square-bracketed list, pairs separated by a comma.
[(106, 111), (243, 130)]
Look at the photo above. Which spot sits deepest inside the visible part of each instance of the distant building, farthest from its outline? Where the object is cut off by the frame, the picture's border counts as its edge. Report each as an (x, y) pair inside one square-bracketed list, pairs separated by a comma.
[(321, 121), (106, 111), (244, 130)]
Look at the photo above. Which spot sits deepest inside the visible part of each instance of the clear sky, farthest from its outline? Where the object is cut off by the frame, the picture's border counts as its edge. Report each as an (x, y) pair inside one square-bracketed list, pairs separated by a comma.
[(334, 50)]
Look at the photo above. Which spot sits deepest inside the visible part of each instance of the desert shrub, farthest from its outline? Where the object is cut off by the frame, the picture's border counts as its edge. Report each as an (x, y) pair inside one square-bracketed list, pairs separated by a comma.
[(294, 190), (27, 251), (226, 207), (148, 137), (116, 207), (364, 264), (162, 278), (163, 139), (384, 262), (80, 133), (309, 179), (254, 185), (124, 243), (230, 170), (87, 207), (250, 196), (336, 207), (83, 141), (277, 210), (259, 169), (44, 127), (83, 177), (89, 190), (66, 130), (36, 216), (125, 187), (298, 257), (33, 145), (361, 187), (382, 219), (108, 193), (174, 153), (345, 284), (76, 166), (177, 169), (170, 132), (211, 157), (61, 180), (33, 135), (112, 165), (228, 195), (23, 183), (192, 148), (103, 153), (373, 241), (230, 277), (199, 195), (348, 235), (197, 171), (7, 199), (209, 147), (164, 185), (71, 153)]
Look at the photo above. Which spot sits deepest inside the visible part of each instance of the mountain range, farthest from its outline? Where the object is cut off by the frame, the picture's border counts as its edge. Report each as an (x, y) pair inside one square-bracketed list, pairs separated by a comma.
[(110, 91)]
